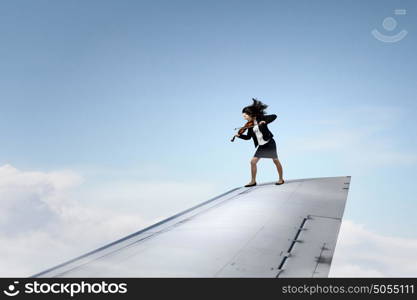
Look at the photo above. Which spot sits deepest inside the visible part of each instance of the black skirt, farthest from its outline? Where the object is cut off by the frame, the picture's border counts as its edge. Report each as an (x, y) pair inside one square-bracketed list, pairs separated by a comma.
[(269, 150)]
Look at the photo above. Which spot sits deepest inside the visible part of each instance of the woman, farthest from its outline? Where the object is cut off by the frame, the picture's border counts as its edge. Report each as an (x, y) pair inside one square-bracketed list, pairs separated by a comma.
[(261, 136)]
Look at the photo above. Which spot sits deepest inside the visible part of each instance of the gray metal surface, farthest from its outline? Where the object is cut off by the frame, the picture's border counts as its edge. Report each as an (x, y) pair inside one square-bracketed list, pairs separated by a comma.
[(268, 230)]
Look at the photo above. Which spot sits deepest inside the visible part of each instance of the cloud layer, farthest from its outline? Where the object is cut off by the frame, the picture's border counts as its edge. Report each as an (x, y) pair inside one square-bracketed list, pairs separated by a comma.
[(47, 217), (363, 253)]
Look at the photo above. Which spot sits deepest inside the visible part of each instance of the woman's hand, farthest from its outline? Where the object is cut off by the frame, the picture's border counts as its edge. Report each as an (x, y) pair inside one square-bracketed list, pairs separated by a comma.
[(237, 134)]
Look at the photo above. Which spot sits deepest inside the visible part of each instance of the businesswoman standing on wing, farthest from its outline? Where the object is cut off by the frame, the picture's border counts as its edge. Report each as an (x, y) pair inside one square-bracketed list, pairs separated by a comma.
[(262, 137)]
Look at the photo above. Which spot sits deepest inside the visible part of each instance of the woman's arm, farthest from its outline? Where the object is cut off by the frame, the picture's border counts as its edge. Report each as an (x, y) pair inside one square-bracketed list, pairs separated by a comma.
[(244, 136), (270, 118)]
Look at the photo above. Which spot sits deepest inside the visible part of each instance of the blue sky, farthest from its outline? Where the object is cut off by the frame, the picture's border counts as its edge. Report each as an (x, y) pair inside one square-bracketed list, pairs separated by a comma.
[(151, 90)]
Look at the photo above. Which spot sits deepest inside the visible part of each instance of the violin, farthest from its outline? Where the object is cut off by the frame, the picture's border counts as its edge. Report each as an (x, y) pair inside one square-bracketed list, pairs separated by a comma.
[(248, 124)]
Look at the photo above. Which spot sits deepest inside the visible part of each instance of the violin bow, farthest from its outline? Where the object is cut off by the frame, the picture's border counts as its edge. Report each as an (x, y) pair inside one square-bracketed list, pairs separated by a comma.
[(238, 128)]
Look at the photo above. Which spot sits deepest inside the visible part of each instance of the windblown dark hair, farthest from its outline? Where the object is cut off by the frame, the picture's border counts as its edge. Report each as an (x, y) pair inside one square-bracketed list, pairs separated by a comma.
[(257, 109)]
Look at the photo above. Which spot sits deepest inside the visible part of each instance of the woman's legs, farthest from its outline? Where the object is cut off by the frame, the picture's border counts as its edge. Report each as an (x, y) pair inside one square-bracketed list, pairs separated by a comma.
[(279, 168), (253, 163)]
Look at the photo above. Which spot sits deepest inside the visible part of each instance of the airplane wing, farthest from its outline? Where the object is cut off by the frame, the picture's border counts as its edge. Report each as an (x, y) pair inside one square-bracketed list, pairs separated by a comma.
[(267, 230)]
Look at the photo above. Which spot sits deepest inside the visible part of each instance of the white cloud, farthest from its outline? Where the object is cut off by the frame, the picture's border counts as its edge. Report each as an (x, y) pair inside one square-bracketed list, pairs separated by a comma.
[(363, 253), (32, 199), (49, 217)]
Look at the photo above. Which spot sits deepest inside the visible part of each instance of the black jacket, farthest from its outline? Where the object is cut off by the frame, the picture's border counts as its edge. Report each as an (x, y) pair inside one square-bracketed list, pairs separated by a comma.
[(263, 128)]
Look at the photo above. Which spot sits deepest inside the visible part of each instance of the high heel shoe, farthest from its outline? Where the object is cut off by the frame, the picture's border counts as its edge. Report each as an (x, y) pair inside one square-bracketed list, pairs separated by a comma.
[(278, 183), (248, 185)]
